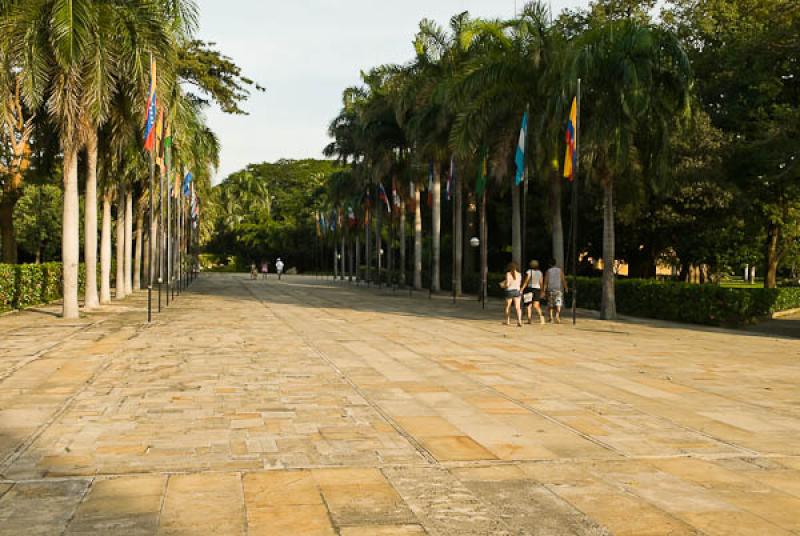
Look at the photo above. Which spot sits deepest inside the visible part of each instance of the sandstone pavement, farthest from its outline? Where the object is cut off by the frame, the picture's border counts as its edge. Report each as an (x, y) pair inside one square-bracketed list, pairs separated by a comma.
[(314, 407)]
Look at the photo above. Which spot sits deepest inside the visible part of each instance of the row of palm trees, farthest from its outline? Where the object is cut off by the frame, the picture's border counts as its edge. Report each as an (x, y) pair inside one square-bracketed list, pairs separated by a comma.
[(464, 94), (85, 65)]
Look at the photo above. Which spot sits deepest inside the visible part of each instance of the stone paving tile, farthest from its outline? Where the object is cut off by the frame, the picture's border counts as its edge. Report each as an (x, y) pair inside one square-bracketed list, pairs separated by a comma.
[(125, 505), (39, 508), (307, 407), (203, 504)]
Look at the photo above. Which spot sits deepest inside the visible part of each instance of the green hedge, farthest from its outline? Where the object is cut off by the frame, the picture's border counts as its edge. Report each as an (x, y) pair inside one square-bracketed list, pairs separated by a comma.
[(684, 302), (26, 285), (650, 298)]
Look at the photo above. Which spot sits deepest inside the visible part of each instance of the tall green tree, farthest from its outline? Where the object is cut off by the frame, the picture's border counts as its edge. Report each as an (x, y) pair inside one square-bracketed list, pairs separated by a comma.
[(636, 82)]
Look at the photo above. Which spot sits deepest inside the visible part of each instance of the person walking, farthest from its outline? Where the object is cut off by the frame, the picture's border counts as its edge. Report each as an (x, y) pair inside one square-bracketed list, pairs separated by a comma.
[(532, 293), (279, 267), (264, 270), (554, 285), (512, 284), (253, 271)]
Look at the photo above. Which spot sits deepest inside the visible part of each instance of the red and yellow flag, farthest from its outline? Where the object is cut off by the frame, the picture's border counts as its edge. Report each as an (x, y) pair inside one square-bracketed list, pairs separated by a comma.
[(572, 154)]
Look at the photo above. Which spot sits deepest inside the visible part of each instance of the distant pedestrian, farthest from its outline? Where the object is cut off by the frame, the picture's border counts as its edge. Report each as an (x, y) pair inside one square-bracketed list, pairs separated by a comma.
[(279, 267), (253, 271), (264, 270), (512, 284), (554, 285), (532, 291)]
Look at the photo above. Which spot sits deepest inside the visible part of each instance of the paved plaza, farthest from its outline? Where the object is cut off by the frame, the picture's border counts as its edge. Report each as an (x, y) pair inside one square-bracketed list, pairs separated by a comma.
[(308, 407)]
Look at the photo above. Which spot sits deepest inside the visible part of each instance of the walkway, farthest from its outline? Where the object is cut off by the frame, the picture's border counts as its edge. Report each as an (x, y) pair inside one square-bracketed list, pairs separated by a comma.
[(307, 407)]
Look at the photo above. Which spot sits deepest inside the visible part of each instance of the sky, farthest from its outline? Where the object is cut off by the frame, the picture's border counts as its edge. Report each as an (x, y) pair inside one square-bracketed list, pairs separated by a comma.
[(305, 52)]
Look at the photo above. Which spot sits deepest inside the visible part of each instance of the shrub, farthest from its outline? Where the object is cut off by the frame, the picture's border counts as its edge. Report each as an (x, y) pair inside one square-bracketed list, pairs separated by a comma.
[(28, 285), (683, 302), (7, 286)]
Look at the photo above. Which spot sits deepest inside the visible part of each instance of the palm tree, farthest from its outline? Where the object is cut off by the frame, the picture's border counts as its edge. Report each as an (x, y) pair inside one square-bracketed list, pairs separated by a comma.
[(71, 58), (424, 111), (509, 70), (637, 83)]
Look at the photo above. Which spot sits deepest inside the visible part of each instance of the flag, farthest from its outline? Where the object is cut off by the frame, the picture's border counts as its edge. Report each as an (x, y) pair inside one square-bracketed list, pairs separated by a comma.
[(159, 145), (167, 147), (483, 174), (451, 177), (412, 197), (152, 110), (570, 159), (383, 197), (430, 185), (351, 215), (188, 186), (322, 222), (367, 205), (332, 219), (177, 188), (395, 195), (520, 158)]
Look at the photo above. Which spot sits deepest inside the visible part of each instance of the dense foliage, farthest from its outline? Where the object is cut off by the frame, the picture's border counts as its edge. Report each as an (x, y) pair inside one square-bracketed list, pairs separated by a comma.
[(267, 211)]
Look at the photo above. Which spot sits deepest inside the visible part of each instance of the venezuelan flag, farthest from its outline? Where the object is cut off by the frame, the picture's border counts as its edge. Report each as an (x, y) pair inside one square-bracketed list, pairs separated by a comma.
[(152, 112), (571, 156)]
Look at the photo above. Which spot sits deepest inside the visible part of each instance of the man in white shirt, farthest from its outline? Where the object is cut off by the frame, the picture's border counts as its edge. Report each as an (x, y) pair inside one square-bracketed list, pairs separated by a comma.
[(279, 267), (554, 285)]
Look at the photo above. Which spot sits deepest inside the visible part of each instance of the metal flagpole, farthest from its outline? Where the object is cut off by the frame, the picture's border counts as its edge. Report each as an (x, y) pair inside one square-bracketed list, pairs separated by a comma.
[(161, 233), (484, 252), (453, 180), (524, 198), (575, 179), (169, 242)]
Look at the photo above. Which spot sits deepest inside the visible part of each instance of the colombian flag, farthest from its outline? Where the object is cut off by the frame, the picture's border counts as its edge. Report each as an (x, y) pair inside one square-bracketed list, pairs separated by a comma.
[(571, 156), (152, 112)]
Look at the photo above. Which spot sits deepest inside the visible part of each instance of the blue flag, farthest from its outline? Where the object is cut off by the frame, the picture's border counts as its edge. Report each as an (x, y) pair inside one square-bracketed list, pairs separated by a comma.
[(187, 183), (520, 158)]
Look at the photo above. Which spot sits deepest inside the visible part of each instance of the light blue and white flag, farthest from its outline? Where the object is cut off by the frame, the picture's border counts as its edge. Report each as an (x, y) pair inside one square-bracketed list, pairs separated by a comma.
[(520, 158)]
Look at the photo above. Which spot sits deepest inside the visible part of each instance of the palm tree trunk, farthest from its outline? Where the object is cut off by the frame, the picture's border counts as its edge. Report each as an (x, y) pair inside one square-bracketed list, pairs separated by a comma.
[(516, 226), (343, 259), (367, 245), (105, 251), (458, 239), (608, 309), (378, 241), (70, 235), (137, 256), (146, 257), (555, 215), (358, 256), (417, 239), (128, 242), (403, 278), (771, 267), (91, 299), (8, 237), (436, 227), (335, 261), (119, 284)]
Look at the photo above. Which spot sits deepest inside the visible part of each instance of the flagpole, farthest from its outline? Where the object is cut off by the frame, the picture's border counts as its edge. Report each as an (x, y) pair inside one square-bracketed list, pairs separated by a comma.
[(161, 237), (484, 252), (574, 252), (453, 180)]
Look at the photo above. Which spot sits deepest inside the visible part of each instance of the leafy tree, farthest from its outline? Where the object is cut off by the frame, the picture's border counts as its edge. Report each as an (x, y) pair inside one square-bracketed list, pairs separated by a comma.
[(745, 53), (637, 80)]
